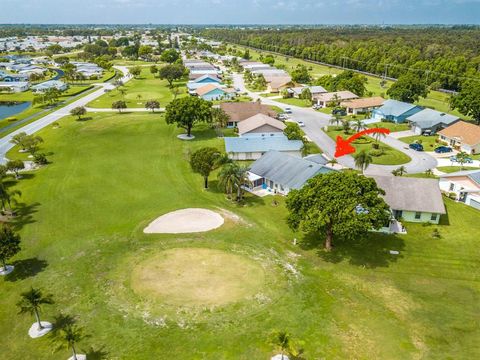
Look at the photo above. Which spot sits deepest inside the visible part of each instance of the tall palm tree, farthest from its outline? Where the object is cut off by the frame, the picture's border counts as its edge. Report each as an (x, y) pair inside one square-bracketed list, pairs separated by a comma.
[(346, 126), (402, 170), (362, 160), (429, 172), (281, 339), (358, 125), (31, 302), (378, 136), (7, 196), (69, 336), (336, 120), (241, 180), (333, 162), (228, 178)]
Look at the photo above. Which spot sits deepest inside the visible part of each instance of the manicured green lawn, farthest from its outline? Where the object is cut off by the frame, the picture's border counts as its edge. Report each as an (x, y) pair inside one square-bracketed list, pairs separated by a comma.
[(451, 169), (145, 87), (390, 156), (389, 125), (296, 102), (81, 225), (428, 142)]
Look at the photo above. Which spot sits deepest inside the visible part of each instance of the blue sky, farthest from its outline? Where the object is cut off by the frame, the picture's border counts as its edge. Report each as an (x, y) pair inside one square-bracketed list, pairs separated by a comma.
[(241, 11)]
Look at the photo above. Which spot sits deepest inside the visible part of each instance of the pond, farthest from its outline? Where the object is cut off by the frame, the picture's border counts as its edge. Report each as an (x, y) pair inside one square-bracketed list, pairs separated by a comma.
[(11, 108)]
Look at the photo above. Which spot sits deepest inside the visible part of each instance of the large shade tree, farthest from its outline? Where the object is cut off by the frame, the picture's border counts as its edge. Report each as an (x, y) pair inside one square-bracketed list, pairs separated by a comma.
[(408, 88), (337, 205), (188, 111), (205, 160), (9, 245), (172, 72), (467, 101)]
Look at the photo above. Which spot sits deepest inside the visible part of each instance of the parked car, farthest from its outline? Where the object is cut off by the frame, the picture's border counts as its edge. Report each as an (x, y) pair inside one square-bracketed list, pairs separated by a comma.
[(340, 112), (316, 107), (288, 110), (443, 149), (301, 123), (467, 159), (416, 147)]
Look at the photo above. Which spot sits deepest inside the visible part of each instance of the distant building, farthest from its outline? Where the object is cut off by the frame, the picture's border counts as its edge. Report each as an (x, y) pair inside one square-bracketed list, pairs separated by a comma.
[(323, 100), (14, 86), (51, 84)]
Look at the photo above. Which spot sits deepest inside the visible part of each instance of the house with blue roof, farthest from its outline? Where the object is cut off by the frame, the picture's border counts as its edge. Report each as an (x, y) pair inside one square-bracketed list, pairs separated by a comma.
[(278, 172), (15, 78), (202, 81), (212, 92), (396, 111), (51, 84), (428, 121), (253, 147)]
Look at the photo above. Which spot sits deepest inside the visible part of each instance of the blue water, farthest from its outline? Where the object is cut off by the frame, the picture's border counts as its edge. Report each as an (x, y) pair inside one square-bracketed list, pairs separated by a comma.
[(11, 109)]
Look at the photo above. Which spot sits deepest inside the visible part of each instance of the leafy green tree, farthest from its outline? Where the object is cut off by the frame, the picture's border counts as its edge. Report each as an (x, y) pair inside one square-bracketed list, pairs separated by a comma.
[(9, 244), (7, 196), (145, 51), (152, 105), (31, 302), (32, 143), (15, 166), (219, 117), (154, 70), (246, 54), (19, 139), (301, 75), (462, 157), (170, 56), (269, 59), (408, 88), (468, 100), (306, 94), (172, 72), (293, 132), (188, 111), (338, 204), (204, 161), (135, 71), (362, 160), (78, 111), (402, 170), (119, 105)]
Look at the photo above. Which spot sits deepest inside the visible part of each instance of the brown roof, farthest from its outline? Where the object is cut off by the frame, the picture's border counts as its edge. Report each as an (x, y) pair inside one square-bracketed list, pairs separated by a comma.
[(238, 111), (342, 95), (257, 121), (209, 87), (376, 101), (278, 81), (466, 132)]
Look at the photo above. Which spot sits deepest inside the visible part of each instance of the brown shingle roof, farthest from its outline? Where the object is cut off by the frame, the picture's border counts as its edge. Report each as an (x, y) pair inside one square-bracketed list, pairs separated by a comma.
[(257, 121), (342, 95), (278, 81), (364, 103), (467, 133), (238, 111)]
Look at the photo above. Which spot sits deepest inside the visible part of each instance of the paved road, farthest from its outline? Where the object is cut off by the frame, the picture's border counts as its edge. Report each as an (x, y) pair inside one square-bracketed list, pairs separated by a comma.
[(41, 123), (314, 122)]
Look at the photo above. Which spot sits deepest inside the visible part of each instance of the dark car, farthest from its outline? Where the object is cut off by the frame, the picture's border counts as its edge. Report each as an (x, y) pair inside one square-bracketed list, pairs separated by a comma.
[(340, 112), (443, 149), (416, 147)]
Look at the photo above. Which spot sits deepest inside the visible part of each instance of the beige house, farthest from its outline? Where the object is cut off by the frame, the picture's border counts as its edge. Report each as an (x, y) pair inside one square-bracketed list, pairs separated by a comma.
[(239, 111), (465, 185), (261, 125), (323, 100), (462, 136), (362, 106), (276, 84)]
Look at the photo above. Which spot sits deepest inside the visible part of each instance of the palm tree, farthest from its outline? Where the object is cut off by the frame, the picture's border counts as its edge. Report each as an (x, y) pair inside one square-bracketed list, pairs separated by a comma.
[(333, 162), (281, 340), (7, 196), (122, 91), (241, 180), (429, 172), (228, 178), (462, 158), (378, 136), (336, 120), (70, 335), (358, 125), (362, 160), (31, 302), (346, 126)]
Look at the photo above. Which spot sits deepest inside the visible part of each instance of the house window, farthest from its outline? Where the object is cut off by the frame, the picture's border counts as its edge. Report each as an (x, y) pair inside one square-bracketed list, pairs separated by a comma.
[(452, 187), (433, 217), (418, 215)]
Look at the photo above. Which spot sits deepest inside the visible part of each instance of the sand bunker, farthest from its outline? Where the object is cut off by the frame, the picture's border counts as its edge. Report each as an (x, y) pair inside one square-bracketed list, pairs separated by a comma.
[(185, 221)]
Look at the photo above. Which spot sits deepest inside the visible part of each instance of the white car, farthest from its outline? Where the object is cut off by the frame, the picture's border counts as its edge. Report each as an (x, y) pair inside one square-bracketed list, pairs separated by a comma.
[(288, 110), (301, 123)]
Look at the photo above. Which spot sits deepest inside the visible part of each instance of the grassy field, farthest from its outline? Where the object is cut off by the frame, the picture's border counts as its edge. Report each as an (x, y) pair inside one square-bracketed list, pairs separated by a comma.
[(428, 142), (145, 87), (390, 155), (435, 99), (81, 223), (389, 125), (296, 102), (451, 169)]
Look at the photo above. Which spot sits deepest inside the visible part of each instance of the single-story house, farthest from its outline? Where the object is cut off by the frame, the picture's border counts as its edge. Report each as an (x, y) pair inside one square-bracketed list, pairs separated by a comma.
[(202, 81), (276, 84), (363, 105), (239, 111), (396, 111), (462, 136), (412, 199), (215, 92), (279, 172), (428, 121), (323, 100), (51, 84), (253, 147), (15, 77), (465, 185), (260, 125), (30, 72), (203, 72), (14, 86), (314, 90), (270, 72)]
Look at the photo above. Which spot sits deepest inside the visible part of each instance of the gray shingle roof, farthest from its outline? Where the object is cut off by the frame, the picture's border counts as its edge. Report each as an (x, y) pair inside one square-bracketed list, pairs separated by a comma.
[(411, 194), (285, 169), (395, 107), (428, 118), (261, 144), (473, 175)]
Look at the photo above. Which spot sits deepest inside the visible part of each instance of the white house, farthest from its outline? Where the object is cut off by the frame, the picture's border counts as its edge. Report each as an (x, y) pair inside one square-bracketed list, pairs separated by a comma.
[(51, 84), (464, 184), (14, 86)]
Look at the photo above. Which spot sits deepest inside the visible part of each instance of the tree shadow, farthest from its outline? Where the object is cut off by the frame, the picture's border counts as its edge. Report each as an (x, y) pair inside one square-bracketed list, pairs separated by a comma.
[(26, 268), (84, 118), (61, 321), (370, 252), (96, 353), (24, 215)]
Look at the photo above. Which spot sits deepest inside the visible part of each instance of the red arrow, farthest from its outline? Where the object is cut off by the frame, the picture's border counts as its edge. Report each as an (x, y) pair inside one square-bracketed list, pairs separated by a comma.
[(343, 146)]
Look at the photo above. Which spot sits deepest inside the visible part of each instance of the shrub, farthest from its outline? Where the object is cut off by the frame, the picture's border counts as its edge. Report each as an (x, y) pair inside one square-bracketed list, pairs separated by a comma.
[(40, 159), (376, 152), (436, 234), (376, 145), (452, 195), (11, 119)]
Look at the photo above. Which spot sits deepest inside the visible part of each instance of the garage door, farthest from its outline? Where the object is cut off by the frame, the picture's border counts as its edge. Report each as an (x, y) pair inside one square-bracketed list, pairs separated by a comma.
[(417, 130), (475, 204)]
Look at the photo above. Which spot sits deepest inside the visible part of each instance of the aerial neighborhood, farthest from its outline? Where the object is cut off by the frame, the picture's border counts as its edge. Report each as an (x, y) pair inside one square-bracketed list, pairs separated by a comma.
[(239, 192)]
